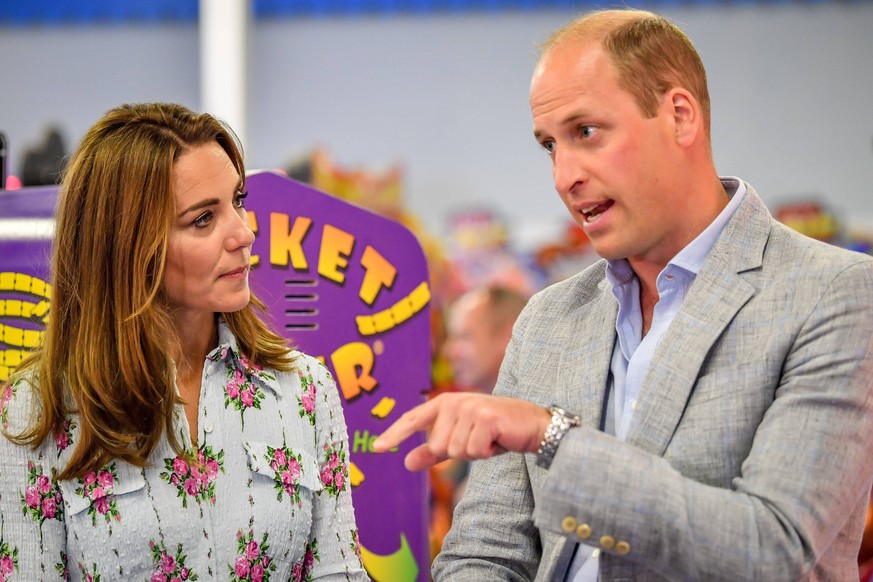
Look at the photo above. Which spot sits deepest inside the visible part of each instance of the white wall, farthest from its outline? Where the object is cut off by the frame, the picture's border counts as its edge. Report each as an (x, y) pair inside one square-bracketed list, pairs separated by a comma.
[(446, 97)]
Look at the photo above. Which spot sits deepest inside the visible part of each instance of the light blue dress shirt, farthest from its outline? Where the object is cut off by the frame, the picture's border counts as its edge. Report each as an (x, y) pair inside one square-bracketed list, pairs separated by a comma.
[(633, 353)]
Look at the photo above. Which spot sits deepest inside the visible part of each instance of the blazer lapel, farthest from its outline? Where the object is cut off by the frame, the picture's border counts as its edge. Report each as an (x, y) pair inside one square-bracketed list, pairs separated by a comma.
[(719, 291), (585, 365)]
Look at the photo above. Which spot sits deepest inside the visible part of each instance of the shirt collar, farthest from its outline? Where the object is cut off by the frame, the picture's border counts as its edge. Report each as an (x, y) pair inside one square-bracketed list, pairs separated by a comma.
[(228, 351), (690, 258)]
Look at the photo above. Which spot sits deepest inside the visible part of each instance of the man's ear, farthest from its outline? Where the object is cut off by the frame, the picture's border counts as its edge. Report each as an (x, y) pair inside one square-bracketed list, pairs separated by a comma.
[(686, 114)]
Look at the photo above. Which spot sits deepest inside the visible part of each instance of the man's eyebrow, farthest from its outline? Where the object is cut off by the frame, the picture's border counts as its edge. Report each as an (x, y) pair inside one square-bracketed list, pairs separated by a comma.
[(571, 119)]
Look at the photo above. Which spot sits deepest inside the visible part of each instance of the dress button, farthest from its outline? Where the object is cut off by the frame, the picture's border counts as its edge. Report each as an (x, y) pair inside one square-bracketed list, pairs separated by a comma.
[(208, 427), (583, 532), (622, 548), (607, 542), (568, 524)]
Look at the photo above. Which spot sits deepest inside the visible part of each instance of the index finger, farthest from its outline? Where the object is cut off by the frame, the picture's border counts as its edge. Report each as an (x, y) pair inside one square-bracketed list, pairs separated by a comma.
[(417, 419)]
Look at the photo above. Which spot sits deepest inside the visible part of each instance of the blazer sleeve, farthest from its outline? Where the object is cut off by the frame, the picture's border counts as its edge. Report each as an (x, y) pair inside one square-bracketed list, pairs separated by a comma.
[(799, 493), (493, 536)]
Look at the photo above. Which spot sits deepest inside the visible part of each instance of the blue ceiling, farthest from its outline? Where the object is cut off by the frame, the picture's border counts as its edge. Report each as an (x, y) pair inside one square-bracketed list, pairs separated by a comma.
[(86, 12)]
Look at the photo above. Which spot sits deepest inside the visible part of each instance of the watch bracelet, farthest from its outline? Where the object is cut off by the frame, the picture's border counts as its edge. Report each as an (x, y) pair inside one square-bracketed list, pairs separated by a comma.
[(561, 422)]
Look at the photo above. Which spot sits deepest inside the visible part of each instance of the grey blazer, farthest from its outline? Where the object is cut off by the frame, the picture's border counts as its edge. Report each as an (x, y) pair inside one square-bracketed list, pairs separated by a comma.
[(750, 455)]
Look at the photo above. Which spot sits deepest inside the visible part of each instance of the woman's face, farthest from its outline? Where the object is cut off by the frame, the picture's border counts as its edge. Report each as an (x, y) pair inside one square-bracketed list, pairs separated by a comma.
[(210, 241)]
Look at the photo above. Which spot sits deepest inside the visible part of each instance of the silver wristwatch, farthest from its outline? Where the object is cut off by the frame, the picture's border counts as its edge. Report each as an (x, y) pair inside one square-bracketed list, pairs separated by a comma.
[(562, 421)]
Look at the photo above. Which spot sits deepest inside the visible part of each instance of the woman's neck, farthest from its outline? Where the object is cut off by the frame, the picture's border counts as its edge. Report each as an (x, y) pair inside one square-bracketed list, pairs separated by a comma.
[(197, 337)]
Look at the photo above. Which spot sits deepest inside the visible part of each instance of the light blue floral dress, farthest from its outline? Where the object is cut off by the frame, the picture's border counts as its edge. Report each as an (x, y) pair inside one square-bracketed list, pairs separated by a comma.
[(266, 498)]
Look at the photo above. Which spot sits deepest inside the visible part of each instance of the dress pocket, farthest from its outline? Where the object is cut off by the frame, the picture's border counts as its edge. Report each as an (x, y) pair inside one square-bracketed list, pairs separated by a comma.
[(100, 492), (104, 521), (285, 486)]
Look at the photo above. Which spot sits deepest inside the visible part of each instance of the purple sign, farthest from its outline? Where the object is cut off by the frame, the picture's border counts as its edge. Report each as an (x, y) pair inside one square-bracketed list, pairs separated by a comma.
[(351, 287), (343, 284), (25, 256)]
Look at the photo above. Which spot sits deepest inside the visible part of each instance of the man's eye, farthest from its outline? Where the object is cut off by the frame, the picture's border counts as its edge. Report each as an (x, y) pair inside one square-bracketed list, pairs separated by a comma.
[(240, 200), (203, 220), (587, 131), (548, 145)]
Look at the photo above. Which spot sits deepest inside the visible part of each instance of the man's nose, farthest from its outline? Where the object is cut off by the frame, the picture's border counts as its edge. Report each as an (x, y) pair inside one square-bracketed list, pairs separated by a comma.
[(567, 170)]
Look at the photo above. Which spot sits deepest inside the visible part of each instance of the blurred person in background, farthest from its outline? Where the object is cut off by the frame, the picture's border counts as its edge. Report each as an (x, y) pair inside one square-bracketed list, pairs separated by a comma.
[(479, 328)]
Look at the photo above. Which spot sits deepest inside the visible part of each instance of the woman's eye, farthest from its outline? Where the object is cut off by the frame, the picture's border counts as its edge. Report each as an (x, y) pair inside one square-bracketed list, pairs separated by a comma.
[(548, 145), (587, 131), (203, 220), (240, 200)]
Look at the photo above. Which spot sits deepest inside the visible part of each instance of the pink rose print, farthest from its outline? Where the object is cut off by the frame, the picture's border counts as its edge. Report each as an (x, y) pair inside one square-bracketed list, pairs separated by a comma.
[(197, 478), (253, 551), (49, 509), (32, 496), (40, 497), (279, 459), (241, 392), (180, 467), (7, 391), (306, 400), (286, 466), (8, 560), (334, 471), (169, 567), (61, 568), (99, 488), (102, 506), (241, 568), (65, 436), (356, 545), (302, 570), (218, 354), (89, 576), (251, 563), (326, 475)]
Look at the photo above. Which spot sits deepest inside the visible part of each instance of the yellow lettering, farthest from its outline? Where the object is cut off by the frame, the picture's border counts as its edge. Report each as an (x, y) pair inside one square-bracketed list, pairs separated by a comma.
[(404, 309), (353, 364), (378, 272), (336, 248), (285, 242)]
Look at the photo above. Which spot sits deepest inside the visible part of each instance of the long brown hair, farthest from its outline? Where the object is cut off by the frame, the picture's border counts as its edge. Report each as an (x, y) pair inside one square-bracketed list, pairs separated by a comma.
[(106, 352)]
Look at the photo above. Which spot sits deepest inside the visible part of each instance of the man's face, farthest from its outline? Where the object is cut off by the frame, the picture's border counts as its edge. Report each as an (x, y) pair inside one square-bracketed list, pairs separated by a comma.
[(615, 169), (473, 347)]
